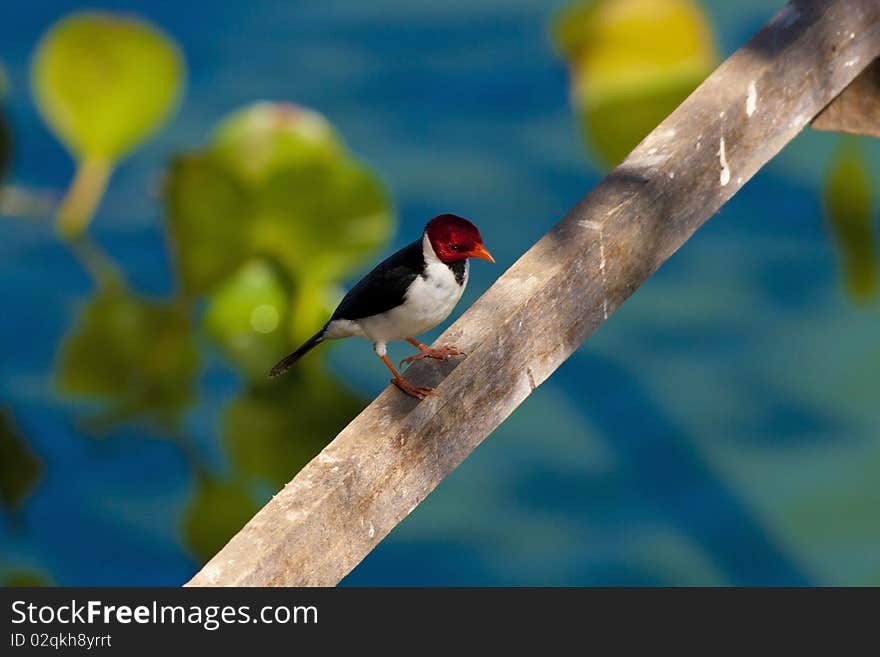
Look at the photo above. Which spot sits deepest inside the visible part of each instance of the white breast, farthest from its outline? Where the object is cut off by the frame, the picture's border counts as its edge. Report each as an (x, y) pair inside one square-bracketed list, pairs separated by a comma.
[(429, 300)]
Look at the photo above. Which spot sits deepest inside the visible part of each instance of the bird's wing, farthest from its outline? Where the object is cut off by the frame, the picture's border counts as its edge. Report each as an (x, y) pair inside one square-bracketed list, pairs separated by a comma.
[(385, 286)]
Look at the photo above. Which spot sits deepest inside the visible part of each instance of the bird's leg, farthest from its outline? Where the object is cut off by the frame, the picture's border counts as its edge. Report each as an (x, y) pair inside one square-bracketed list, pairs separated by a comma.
[(419, 392), (441, 353)]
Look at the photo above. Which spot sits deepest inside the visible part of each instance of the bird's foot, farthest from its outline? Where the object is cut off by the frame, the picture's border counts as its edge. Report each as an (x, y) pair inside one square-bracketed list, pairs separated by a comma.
[(419, 392), (441, 353)]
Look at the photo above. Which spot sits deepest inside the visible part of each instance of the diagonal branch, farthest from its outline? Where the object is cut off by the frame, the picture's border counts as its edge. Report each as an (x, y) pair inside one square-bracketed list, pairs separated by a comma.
[(320, 526)]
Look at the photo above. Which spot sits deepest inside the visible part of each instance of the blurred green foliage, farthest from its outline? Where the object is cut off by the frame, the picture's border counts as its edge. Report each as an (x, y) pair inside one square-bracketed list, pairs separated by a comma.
[(253, 224), (103, 83), (20, 468), (263, 224), (138, 356), (632, 62), (216, 511), (25, 577), (275, 183), (245, 317), (850, 208), (273, 430)]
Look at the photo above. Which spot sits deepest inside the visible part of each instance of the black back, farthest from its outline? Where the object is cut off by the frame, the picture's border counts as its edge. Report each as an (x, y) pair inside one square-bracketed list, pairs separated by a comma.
[(385, 286)]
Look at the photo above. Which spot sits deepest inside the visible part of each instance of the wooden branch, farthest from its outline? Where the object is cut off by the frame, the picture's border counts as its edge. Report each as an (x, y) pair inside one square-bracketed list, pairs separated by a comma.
[(320, 526), (857, 109)]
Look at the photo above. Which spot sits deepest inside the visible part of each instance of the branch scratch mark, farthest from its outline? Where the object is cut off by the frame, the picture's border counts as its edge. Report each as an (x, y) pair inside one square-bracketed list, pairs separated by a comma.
[(751, 99), (602, 271), (722, 159), (596, 226), (531, 378)]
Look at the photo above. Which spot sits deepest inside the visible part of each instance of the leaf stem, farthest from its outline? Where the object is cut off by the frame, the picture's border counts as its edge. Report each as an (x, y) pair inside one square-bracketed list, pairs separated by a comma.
[(97, 262), (81, 200)]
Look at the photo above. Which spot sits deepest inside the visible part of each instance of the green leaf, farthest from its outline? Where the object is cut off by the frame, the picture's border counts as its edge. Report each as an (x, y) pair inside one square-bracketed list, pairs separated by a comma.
[(320, 219), (207, 222), (217, 510), (572, 28), (272, 431), (263, 138), (631, 62), (103, 83), (138, 356), (246, 316), (20, 469), (313, 302), (615, 128), (850, 207), (275, 182)]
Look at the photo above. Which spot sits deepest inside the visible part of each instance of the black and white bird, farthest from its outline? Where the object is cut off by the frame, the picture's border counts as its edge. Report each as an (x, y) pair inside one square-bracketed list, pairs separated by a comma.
[(405, 295)]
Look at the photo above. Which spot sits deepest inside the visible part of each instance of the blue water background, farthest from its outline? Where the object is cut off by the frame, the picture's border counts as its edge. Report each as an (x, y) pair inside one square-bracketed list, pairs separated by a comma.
[(723, 427)]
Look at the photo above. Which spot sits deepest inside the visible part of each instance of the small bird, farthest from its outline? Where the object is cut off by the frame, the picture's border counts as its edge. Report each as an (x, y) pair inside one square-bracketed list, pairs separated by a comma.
[(405, 295)]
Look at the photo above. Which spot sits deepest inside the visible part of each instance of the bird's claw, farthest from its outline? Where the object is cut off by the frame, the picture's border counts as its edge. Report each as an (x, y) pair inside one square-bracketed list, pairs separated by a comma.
[(440, 353), (419, 392)]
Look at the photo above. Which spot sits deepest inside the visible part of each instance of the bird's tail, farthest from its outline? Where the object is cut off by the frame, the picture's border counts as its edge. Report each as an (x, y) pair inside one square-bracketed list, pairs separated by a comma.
[(285, 363)]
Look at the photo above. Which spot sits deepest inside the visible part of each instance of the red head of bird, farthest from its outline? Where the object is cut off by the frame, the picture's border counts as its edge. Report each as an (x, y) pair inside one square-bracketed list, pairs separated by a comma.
[(454, 238)]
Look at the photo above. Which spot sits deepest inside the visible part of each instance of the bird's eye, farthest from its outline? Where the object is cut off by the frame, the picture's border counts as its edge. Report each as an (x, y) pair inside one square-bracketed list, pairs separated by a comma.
[(456, 247)]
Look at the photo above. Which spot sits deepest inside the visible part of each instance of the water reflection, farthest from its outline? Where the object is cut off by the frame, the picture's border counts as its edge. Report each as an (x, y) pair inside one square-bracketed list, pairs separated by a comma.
[(673, 480)]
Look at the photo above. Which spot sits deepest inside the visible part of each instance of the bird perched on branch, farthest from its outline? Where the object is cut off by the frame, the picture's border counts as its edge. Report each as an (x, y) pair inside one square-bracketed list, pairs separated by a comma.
[(406, 294)]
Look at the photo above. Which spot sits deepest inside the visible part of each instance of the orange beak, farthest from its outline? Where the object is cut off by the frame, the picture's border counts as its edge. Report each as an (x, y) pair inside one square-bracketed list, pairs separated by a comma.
[(480, 251)]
